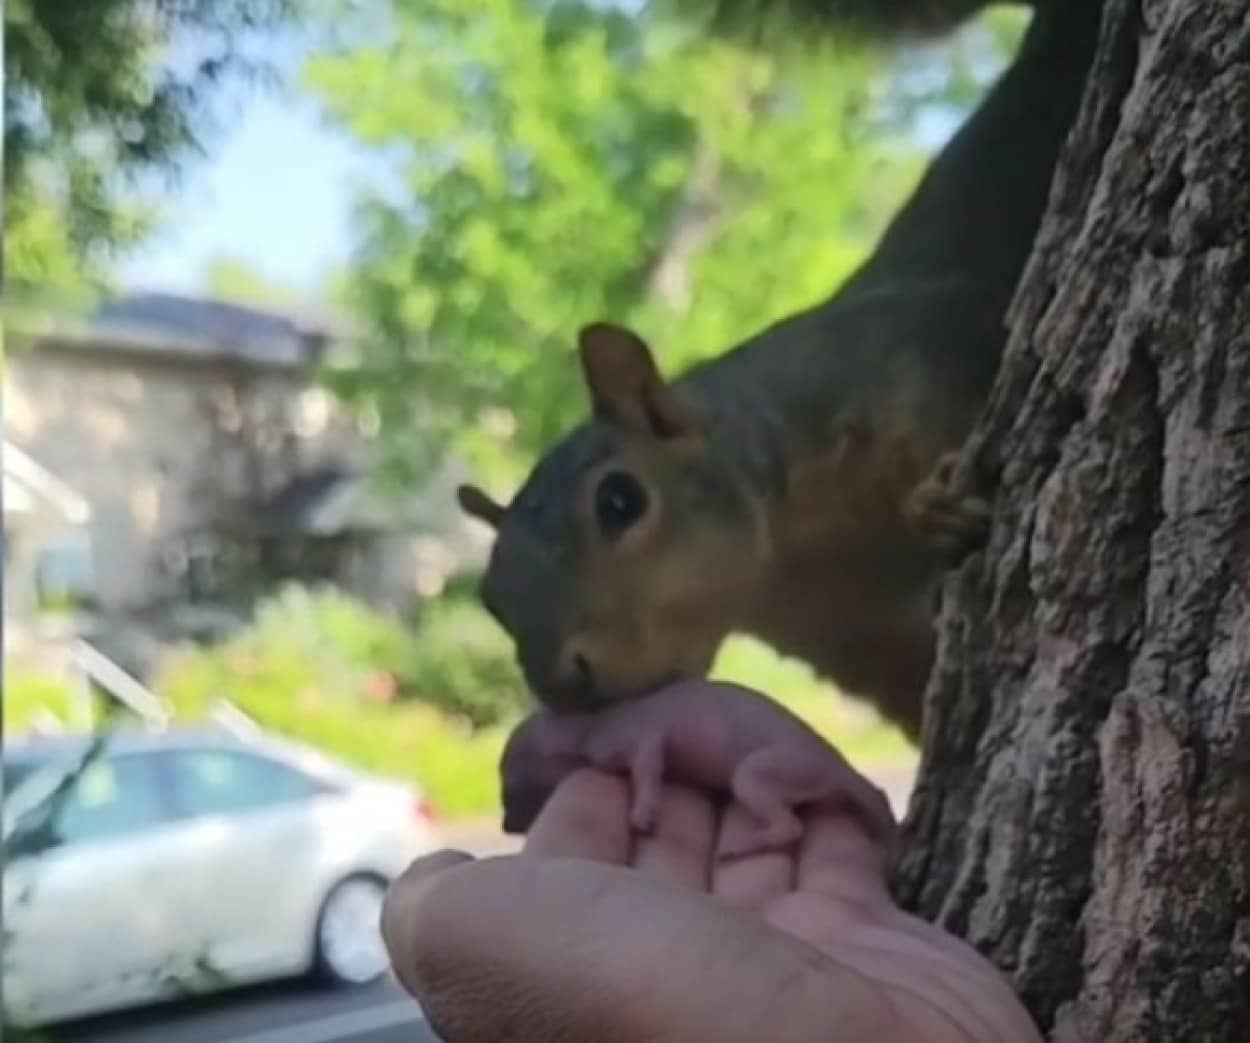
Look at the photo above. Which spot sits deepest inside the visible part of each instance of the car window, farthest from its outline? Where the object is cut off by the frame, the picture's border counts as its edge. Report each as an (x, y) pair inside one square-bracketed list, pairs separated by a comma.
[(113, 797), (216, 782), (14, 772)]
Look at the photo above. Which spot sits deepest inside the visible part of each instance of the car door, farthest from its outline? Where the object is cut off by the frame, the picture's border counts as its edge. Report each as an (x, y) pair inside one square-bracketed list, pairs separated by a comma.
[(84, 903), (260, 848)]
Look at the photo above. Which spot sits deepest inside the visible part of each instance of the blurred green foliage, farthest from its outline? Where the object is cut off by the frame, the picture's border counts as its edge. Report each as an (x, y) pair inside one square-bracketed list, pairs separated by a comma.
[(424, 700), (546, 163), (321, 645), (31, 696), (463, 663), (854, 727), (231, 278), (455, 764), (550, 162), (100, 99)]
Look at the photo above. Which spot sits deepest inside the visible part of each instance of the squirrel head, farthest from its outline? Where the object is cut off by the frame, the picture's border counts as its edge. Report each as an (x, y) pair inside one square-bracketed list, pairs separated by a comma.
[(632, 548)]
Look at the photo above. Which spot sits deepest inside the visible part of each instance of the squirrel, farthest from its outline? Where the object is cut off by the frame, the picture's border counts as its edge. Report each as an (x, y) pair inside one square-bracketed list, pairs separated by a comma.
[(806, 487)]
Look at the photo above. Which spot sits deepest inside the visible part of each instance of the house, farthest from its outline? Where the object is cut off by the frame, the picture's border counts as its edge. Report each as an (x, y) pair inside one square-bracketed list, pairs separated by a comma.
[(179, 458), (48, 564), (47, 544)]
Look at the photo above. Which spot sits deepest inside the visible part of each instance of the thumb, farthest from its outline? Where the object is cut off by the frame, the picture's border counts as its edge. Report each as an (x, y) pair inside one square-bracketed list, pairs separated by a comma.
[(403, 900), (553, 950)]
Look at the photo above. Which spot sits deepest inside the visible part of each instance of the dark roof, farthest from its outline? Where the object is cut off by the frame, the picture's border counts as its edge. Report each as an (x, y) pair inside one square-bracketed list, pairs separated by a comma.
[(192, 315), (199, 327)]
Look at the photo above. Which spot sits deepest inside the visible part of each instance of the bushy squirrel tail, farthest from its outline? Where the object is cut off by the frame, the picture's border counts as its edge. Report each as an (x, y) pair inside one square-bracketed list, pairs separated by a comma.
[(858, 18)]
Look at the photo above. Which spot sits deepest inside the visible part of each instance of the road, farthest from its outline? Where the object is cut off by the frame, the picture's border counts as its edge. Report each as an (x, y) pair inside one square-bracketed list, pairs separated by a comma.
[(274, 1014), (297, 1013)]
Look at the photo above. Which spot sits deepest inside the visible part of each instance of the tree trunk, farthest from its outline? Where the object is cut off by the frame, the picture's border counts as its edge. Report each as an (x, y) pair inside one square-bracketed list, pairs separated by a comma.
[(1083, 808)]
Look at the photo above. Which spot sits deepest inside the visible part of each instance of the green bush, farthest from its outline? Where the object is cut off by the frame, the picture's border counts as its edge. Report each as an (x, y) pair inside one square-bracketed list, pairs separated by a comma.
[(319, 635), (463, 662), (455, 765), (450, 655), (30, 695), (423, 702)]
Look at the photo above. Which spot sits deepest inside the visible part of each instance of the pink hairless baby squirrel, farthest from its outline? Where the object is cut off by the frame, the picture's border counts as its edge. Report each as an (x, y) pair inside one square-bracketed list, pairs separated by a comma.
[(715, 736)]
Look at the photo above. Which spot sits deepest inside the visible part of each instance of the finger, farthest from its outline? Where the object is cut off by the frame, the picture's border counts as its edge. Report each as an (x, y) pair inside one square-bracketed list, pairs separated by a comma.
[(586, 817), (403, 898), (752, 882), (535, 949), (679, 849), (838, 859)]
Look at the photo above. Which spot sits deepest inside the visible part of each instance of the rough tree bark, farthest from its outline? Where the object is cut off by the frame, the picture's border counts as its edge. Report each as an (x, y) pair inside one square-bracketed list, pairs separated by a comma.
[(1083, 809)]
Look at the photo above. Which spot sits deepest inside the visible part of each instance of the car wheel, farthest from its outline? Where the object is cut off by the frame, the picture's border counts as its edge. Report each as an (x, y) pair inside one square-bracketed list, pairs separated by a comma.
[(349, 948)]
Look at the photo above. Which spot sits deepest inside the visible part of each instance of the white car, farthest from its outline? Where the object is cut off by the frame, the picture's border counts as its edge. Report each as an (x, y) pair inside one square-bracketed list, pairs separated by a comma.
[(192, 861)]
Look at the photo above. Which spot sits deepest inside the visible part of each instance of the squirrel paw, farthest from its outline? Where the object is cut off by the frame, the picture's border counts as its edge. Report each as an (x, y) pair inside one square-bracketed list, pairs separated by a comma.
[(774, 838), (951, 516), (646, 771)]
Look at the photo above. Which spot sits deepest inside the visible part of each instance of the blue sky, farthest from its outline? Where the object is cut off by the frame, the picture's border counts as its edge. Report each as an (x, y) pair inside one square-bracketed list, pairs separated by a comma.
[(276, 191)]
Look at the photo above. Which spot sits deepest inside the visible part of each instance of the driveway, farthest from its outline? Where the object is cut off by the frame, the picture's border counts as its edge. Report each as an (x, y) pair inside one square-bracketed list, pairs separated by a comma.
[(273, 1014)]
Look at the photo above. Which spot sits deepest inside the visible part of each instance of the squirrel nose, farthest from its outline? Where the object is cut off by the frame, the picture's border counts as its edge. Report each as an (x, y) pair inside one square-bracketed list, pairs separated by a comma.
[(578, 669), (564, 677), (575, 674)]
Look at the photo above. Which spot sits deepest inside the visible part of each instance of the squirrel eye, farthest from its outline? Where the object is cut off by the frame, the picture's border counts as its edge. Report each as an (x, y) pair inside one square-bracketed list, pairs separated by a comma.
[(619, 502)]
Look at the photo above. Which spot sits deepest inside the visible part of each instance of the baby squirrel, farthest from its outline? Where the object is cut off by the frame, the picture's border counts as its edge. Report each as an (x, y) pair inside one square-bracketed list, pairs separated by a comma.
[(803, 487), (721, 738)]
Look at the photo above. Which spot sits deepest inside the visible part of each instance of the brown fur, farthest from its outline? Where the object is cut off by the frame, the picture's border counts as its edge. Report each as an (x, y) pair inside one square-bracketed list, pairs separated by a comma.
[(802, 487), (799, 536)]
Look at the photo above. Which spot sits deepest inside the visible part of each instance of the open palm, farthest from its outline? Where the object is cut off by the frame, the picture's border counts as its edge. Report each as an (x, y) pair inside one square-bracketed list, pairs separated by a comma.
[(591, 933)]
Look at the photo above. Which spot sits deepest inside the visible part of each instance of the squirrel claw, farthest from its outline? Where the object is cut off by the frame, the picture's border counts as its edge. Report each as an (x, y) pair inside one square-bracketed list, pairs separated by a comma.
[(770, 838), (642, 820), (953, 519)]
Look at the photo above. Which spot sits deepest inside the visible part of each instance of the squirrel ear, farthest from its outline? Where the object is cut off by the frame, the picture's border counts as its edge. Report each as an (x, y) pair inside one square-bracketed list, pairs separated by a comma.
[(626, 387), (478, 504)]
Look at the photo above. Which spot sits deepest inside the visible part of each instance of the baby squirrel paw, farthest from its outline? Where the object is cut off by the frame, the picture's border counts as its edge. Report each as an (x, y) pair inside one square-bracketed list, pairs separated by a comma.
[(771, 838), (948, 510)]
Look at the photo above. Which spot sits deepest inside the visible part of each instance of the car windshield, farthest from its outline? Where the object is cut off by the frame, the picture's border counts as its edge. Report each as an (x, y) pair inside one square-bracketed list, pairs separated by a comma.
[(21, 766), (30, 777), (14, 771), (311, 762)]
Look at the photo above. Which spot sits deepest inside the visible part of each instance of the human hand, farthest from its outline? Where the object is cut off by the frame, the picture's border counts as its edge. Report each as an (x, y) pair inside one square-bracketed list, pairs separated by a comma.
[(592, 933)]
